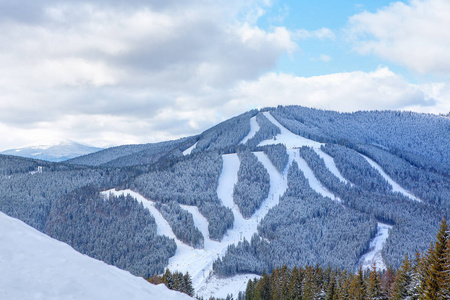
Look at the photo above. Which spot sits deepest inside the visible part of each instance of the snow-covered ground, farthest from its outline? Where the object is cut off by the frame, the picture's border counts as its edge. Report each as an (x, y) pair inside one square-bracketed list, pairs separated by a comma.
[(35, 266), (374, 254), (198, 262), (330, 164), (189, 150), (254, 127), (286, 137), (314, 183), (395, 186)]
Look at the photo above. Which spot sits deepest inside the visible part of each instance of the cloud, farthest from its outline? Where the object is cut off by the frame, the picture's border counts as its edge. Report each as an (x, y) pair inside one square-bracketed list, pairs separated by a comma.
[(139, 64), (414, 35), (378, 90)]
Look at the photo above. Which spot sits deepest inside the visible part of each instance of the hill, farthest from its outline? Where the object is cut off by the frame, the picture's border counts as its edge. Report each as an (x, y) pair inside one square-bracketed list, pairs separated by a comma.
[(286, 185)]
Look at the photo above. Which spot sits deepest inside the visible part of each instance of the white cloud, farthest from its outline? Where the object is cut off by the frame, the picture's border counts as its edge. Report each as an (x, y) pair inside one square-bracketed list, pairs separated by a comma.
[(377, 90), (414, 35), (135, 64)]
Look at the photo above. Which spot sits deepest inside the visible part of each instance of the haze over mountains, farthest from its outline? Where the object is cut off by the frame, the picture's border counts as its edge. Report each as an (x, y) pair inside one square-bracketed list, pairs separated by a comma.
[(286, 185), (55, 153)]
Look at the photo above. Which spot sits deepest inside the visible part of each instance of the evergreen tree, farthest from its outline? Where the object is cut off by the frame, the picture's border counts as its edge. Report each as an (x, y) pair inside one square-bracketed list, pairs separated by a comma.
[(374, 285), (434, 279), (387, 281), (403, 281), (358, 286), (295, 285), (188, 288), (445, 287)]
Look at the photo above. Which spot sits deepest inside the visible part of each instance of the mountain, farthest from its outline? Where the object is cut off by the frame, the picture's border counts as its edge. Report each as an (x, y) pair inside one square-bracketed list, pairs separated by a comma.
[(286, 185), (54, 153), (55, 271)]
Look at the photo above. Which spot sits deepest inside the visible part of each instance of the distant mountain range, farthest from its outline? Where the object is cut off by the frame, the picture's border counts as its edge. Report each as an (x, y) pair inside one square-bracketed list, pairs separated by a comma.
[(54, 153), (286, 185)]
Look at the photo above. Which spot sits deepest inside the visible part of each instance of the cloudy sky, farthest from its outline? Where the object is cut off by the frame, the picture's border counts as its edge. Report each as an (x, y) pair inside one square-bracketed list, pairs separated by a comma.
[(111, 72)]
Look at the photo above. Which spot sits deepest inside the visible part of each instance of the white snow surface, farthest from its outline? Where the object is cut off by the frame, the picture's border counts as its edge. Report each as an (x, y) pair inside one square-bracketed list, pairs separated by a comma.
[(374, 254), (189, 150), (395, 186), (35, 266), (330, 164), (314, 183), (286, 137), (198, 262), (254, 127)]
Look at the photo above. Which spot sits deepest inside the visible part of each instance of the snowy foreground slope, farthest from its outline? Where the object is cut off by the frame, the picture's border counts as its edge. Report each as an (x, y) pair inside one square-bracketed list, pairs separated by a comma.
[(35, 266)]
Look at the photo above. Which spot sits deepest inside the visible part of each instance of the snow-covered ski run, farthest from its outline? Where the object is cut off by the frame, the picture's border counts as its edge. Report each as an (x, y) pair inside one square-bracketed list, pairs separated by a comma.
[(376, 245), (394, 185)]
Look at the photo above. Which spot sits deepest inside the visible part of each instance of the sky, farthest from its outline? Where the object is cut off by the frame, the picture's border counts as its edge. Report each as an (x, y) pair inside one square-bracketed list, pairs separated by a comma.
[(114, 72)]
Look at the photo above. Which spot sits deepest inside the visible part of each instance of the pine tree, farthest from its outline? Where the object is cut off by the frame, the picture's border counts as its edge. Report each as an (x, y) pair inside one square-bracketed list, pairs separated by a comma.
[(445, 288), (403, 280), (250, 290), (358, 286), (387, 281), (188, 288), (167, 279), (374, 286), (295, 285), (434, 279)]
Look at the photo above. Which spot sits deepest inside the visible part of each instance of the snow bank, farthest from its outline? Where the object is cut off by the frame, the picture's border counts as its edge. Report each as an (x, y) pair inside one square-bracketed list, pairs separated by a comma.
[(35, 266), (395, 186), (374, 254), (254, 127)]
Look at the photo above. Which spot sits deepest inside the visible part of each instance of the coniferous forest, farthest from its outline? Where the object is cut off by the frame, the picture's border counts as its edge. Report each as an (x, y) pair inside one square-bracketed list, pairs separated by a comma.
[(427, 277)]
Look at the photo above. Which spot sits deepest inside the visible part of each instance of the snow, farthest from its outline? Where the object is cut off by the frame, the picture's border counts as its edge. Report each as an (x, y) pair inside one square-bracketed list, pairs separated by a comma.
[(189, 150), (314, 183), (254, 127), (198, 262), (35, 266), (286, 137), (330, 164), (221, 287), (376, 245), (395, 186)]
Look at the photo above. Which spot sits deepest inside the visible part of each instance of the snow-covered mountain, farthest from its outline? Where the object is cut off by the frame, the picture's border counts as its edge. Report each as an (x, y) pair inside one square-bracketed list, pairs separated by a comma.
[(285, 185), (35, 266), (55, 153)]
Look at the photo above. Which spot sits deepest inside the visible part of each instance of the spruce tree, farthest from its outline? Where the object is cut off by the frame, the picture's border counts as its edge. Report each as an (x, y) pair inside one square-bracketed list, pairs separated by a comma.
[(445, 288), (358, 286), (295, 285), (403, 281), (434, 278), (374, 285), (188, 288)]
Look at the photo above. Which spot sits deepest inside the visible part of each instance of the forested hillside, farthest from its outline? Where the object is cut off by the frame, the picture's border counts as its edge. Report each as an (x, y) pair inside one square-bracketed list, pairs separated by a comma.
[(281, 186)]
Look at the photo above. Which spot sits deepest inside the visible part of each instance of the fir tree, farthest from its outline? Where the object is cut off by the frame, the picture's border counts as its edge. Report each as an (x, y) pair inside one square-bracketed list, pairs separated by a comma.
[(434, 279), (358, 286), (403, 281), (295, 285), (374, 286)]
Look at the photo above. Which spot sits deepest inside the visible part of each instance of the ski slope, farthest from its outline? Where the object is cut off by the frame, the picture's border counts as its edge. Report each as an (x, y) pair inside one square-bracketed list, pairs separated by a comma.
[(394, 185), (331, 165), (189, 150), (286, 137), (376, 245), (198, 262), (254, 127), (35, 266), (314, 183)]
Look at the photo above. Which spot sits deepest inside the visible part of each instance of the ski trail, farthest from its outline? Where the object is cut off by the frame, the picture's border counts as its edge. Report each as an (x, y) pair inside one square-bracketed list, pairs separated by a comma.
[(189, 150), (254, 127), (286, 137), (376, 245), (162, 226), (314, 183), (394, 185), (242, 228), (200, 222), (330, 164)]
